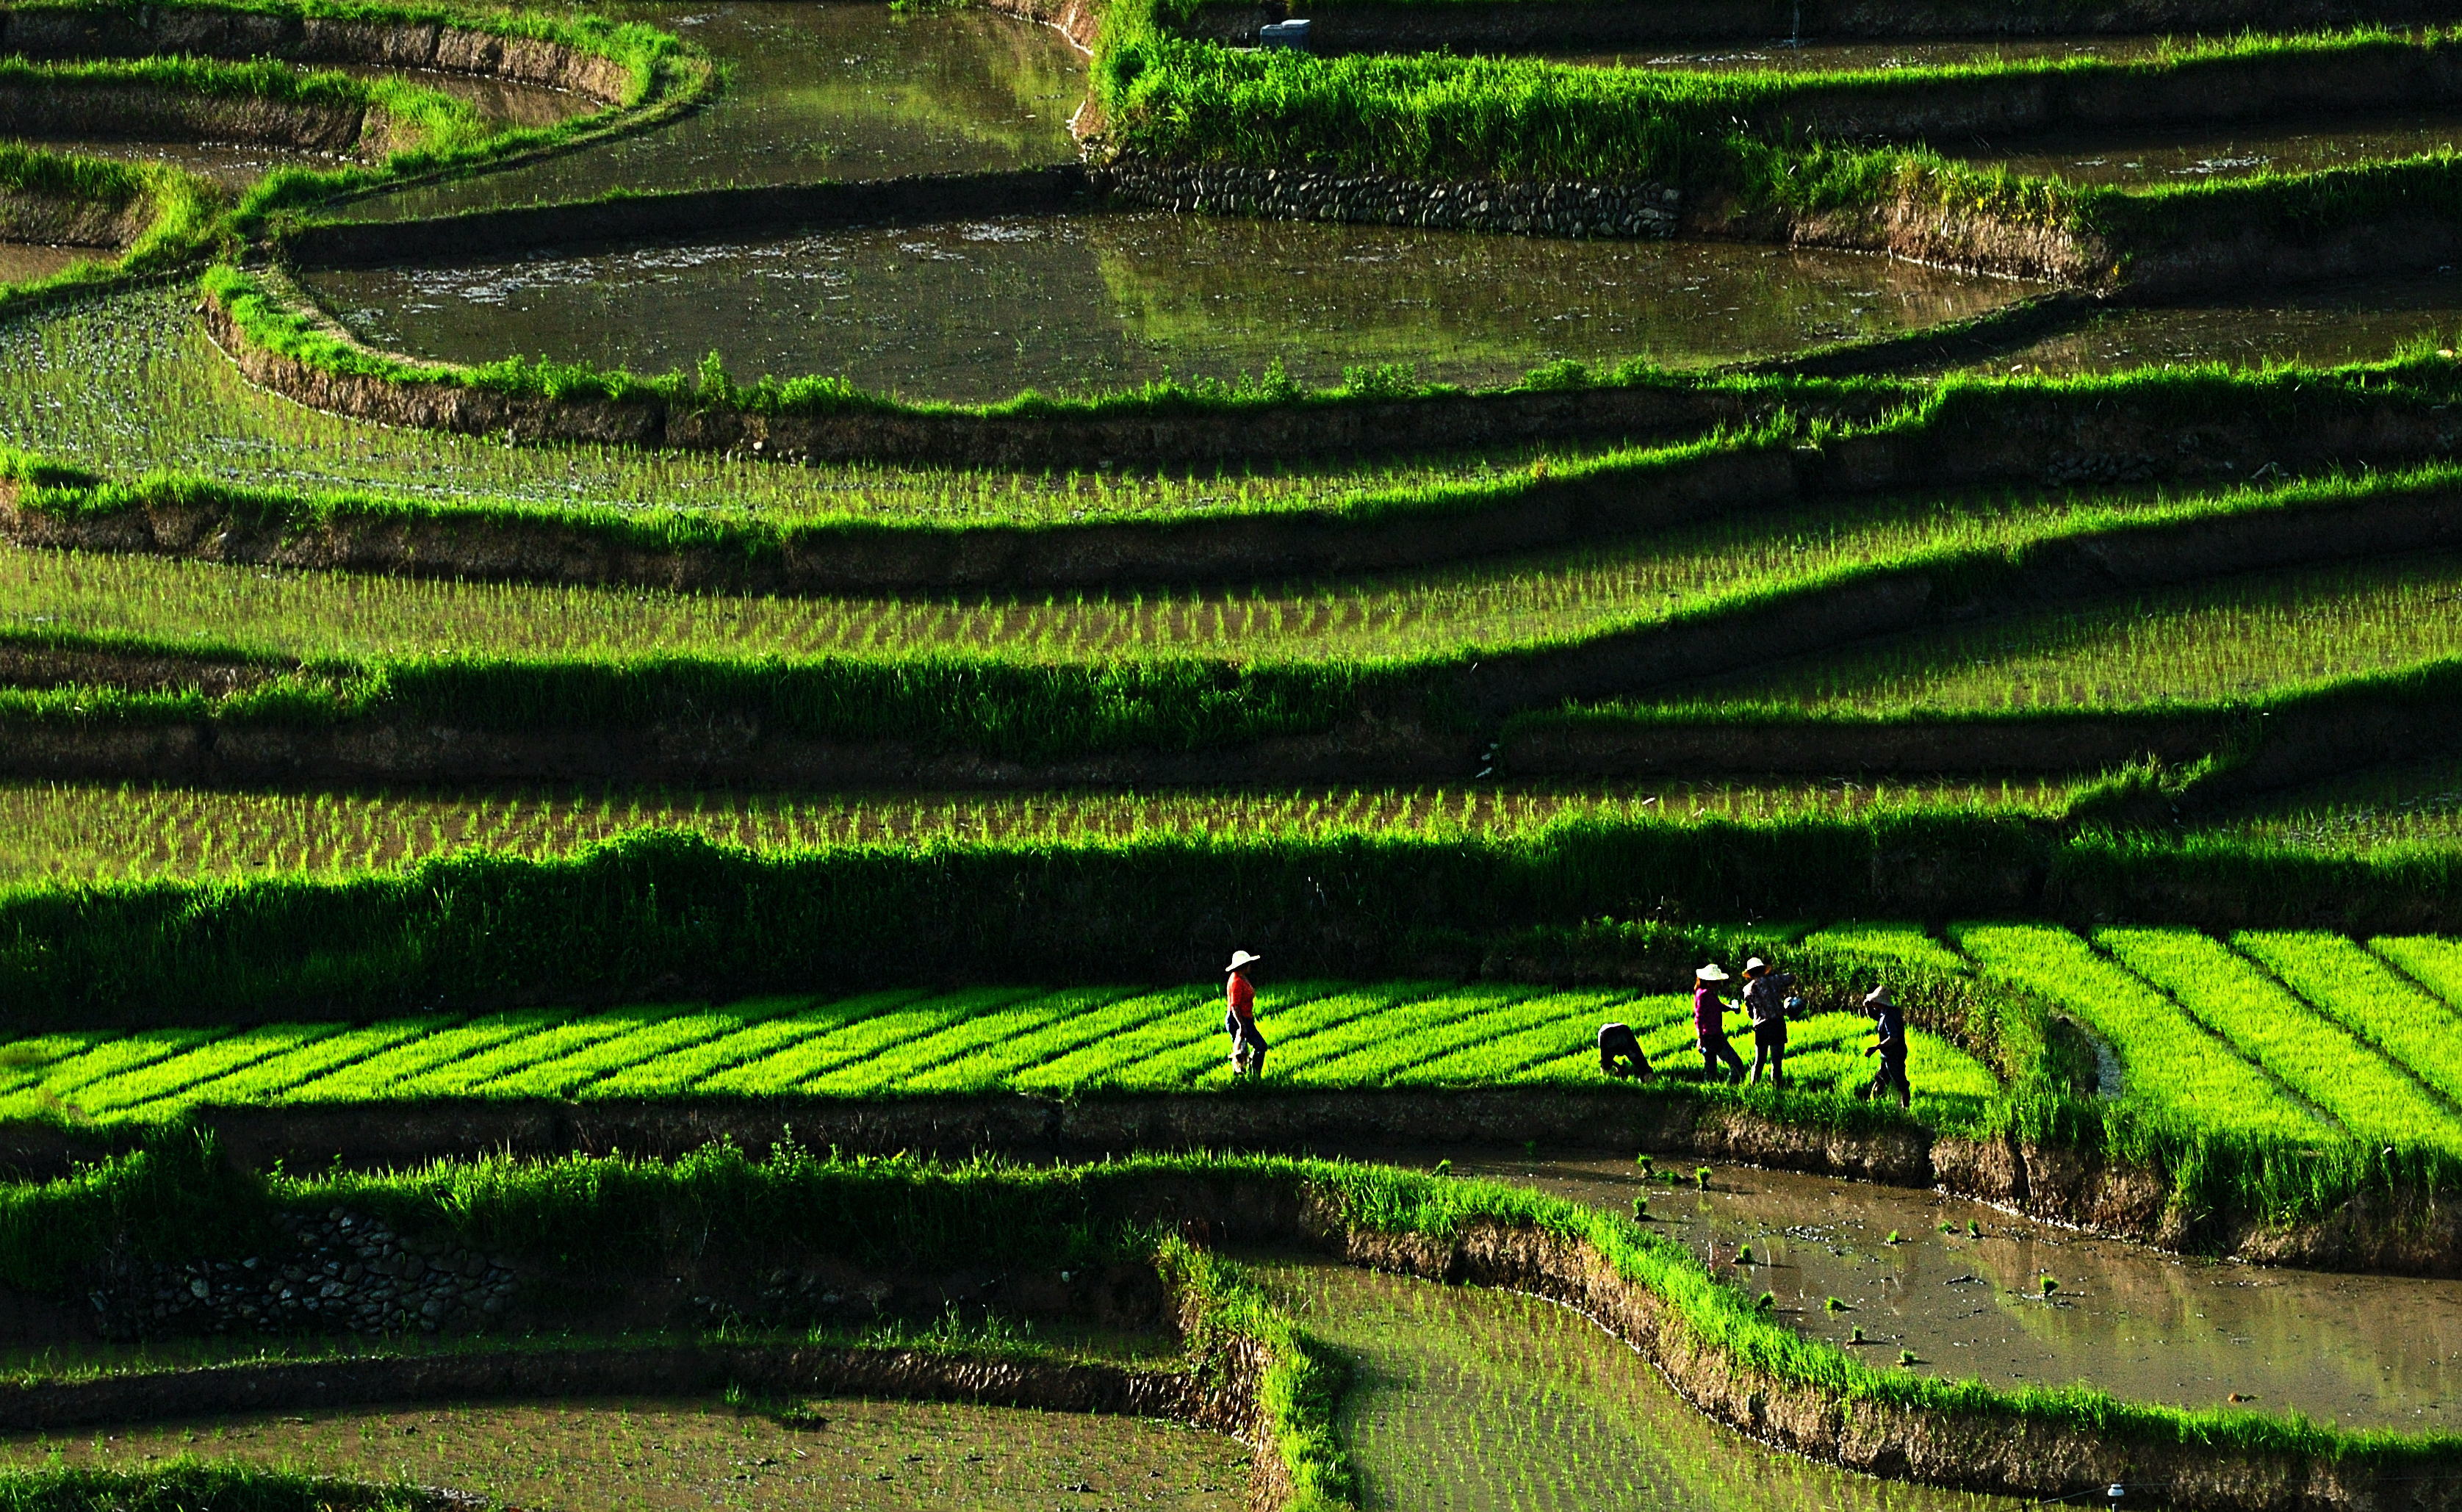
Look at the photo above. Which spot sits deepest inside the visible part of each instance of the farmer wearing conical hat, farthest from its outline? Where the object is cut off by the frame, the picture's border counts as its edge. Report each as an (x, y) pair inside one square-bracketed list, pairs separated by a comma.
[(1720, 1061), (1240, 1016), (1890, 1028)]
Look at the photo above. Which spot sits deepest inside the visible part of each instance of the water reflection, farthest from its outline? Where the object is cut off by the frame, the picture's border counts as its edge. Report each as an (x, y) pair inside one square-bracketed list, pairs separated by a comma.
[(820, 91), (2364, 1350), (21, 262), (1814, 55), (2349, 320), (1076, 303), (2188, 154)]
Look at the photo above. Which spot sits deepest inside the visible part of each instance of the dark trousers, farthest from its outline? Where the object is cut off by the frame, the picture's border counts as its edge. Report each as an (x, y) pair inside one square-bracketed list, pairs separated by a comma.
[(1771, 1053), (1247, 1045), (1715, 1051), (1620, 1055), (1892, 1077)]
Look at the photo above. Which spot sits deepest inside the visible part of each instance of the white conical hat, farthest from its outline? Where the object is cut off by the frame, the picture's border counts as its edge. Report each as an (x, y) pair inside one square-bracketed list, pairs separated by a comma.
[(1713, 972), (1238, 958)]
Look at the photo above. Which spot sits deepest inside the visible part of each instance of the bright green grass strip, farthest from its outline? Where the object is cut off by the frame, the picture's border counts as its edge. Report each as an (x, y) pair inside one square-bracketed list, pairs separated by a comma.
[(1302, 1044), (383, 1074), (2340, 977), (2434, 964), (801, 1020), (1294, 1011), (24, 1063), (870, 1035), (1181, 1021), (2173, 1063), (269, 1079), (1001, 1064), (1449, 1024), (919, 1065), (2316, 1056), (1906, 944), (62, 1084), (663, 1032), (208, 1062), (473, 1075), (1491, 1046)]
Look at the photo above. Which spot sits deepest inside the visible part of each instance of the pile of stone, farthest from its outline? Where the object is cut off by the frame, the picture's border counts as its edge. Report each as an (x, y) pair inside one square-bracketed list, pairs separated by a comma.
[(1627, 210), (344, 1272)]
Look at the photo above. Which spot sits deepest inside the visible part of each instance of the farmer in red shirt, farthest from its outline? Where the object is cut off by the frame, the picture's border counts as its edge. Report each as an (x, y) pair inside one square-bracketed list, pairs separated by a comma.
[(1240, 1016), (1710, 1025)]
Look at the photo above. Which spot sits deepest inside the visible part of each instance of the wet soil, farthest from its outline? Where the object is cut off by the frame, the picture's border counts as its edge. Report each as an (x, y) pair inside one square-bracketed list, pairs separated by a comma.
[(2374, 1351), (499, 101), (818, 91), (979, 310), (647, 1455), (1465, 1398)]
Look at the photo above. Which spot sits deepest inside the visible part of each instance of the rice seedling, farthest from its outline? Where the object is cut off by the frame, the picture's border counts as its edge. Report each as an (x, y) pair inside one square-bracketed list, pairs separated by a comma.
[(2247, 637), (2339, 976), (2314, 1056), (66, 831), (1907, 945), (672, 1454), (2174, 1066)]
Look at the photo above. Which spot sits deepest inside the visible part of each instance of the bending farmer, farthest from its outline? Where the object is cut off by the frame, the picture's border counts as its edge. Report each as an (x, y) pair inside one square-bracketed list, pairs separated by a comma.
[(1620, 1052), (1768, 998), (1240, 1016), (1890, 1024), (1710, 1025)]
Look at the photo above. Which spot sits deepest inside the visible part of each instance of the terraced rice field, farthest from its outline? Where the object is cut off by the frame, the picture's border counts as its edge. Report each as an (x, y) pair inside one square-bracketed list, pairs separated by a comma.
[(907, 1042), (64, 832)]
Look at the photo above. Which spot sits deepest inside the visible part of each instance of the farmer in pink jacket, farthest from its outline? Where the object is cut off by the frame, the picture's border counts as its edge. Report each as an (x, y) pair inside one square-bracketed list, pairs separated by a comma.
[(1710, 1025)]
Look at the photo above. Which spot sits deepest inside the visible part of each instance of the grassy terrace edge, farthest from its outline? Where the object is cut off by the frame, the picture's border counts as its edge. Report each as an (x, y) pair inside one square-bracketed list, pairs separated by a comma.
[(1720, 1349)]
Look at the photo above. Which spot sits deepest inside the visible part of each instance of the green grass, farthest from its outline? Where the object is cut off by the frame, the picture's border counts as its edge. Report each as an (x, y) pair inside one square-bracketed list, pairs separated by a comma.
[(899, 1044)]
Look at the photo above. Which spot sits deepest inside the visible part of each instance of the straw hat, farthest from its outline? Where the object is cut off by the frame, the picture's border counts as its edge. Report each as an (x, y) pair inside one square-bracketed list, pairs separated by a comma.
[(1754, 964), (1713, 972), (1238, 958), (1877, 998)]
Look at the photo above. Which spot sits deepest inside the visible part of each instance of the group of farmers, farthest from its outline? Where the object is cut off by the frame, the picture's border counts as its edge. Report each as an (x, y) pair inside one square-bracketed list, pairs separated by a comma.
[(1769, 1001)]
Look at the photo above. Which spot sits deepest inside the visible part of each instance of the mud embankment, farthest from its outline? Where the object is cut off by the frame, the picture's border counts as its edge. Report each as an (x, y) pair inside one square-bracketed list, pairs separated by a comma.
[(79, 109), (56, 221), (46, 33)]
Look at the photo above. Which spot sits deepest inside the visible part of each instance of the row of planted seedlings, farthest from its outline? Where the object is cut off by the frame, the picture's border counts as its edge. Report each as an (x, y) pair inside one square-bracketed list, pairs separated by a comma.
[(778, 1251)]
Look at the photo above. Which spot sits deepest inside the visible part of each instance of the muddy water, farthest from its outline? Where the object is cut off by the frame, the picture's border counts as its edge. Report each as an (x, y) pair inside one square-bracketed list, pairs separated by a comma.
[(2188, 154), (24, 261), (1076, 303), (2363, 1351), (821, 90), (664, 1454), (1779, 54), (2356, 320), (1467, 1399)]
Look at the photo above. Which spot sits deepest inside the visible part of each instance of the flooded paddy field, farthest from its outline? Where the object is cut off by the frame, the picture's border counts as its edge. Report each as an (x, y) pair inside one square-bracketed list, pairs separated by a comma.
[(2206, 151), (582, 1456), (232, 164), (2376, 1351), (829, 90), (21, 262), (1469, 1399), (978, 310), (2322, 324)]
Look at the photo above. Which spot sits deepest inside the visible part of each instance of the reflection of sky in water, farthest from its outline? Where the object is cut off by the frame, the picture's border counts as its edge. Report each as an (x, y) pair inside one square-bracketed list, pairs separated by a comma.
[(816, 90), (979, 310), (2368, 1351)]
